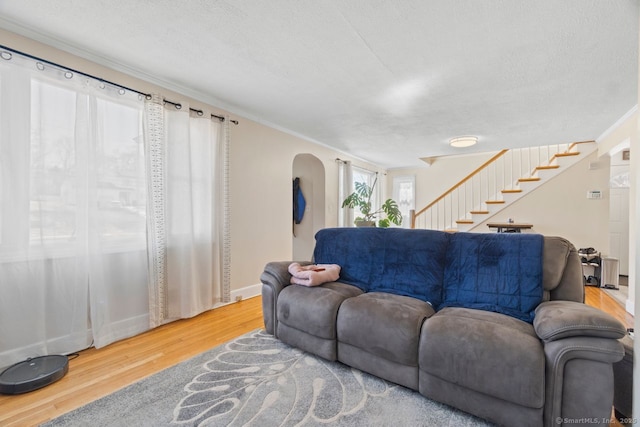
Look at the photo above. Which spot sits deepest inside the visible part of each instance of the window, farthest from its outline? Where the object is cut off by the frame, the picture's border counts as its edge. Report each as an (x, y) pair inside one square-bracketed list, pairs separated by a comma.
[(404, 193), (75, 162), (369, 178)]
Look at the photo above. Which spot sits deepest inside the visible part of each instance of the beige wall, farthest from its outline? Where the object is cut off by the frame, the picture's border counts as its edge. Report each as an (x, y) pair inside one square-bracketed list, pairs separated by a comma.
[(261, 204)]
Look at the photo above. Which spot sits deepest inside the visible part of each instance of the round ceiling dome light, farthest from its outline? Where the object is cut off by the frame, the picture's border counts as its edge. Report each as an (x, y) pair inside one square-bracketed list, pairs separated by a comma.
[(463, 141)]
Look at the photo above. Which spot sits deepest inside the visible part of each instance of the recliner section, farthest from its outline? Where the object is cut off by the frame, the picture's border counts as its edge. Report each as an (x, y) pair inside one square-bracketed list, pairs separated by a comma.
[(380, 333), (307, 317)]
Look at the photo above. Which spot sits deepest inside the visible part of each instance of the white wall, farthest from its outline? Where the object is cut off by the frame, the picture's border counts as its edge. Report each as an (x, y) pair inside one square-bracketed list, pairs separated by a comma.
[(634, 253), (619, 241), (626, 129), (560, 206)]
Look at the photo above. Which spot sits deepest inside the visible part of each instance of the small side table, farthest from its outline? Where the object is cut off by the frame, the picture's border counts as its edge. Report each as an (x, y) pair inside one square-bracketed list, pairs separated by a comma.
[(509, 227)]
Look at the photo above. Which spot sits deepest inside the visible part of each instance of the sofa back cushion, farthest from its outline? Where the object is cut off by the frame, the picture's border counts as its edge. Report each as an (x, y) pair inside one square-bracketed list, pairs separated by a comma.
[(394, 260), (562, 271), (500, 272)]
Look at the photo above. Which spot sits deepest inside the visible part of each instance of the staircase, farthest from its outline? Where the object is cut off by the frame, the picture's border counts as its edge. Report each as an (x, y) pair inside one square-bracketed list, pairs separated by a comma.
[(506, 177)]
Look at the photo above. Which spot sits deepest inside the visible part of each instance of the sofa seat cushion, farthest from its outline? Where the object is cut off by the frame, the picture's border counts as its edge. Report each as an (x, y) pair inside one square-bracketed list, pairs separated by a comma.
[(314, 309), (393, 260), (385, 325), (499, 272), (486, 352)]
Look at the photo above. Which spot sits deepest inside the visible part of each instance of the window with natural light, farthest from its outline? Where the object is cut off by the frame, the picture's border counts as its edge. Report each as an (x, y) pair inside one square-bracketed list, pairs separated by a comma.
[(368, 177), (105, 170)]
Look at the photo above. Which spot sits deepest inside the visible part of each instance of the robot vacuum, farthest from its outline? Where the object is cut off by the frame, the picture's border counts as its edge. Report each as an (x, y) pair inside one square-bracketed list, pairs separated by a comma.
[(33, 374)]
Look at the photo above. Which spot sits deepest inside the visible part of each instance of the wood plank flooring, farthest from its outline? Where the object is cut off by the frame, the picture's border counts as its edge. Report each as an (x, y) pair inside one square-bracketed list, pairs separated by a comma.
[(96, 373), (600, 299)]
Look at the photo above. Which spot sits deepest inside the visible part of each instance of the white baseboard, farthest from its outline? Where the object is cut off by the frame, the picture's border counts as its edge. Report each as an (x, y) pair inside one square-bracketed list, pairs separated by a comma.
[(246, 292), (629, 306)]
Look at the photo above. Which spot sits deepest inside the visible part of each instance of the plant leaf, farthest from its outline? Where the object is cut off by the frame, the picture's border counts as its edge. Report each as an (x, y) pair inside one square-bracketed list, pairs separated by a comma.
[(391, 209), (351, 201), (363, 190)]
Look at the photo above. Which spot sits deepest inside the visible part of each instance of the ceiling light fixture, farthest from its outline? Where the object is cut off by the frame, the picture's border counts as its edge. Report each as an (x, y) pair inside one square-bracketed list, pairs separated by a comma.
[(463, 141)]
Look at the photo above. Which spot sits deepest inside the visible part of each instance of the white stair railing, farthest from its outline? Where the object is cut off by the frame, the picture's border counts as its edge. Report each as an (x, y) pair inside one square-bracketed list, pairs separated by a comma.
[(486, 187)]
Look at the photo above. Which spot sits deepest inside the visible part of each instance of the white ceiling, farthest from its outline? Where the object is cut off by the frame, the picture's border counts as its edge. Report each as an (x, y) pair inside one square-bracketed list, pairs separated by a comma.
[(388, 81)]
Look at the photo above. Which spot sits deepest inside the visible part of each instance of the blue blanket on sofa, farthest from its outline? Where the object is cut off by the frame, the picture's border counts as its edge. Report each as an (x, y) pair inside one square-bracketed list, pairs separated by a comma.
[(394, 260), (499, 272), (495, 272)]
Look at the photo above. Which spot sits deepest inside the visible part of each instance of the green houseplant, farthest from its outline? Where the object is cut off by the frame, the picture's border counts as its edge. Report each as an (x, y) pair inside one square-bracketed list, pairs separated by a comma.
[(361, 198)]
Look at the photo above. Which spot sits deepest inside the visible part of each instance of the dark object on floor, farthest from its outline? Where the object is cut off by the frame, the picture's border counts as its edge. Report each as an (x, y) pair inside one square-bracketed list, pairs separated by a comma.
[(33, 374), (592, 281), (623, 382)]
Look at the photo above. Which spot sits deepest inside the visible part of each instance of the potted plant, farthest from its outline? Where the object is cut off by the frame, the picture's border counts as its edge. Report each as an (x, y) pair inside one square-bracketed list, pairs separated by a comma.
[(361, 198)]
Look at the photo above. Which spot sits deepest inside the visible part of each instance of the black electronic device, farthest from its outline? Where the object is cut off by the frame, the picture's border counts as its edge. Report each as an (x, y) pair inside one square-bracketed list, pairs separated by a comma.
[(32, 374)]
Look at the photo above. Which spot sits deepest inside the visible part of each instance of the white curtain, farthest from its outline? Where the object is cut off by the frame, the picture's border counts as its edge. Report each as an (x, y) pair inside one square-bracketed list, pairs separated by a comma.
[(73, 265), (184, 153), (345, 187)]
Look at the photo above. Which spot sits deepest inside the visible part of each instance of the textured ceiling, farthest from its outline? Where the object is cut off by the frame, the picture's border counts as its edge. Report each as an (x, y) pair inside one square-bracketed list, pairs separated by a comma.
[(389, 81)]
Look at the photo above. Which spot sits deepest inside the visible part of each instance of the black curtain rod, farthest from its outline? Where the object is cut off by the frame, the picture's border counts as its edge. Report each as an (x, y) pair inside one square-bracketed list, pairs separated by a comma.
[(63, 67), (198, 112)]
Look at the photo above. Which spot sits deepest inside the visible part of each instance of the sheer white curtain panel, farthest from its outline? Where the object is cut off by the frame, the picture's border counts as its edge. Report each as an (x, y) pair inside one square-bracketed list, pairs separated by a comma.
[(184, 152), (73, 267), (345, 178)]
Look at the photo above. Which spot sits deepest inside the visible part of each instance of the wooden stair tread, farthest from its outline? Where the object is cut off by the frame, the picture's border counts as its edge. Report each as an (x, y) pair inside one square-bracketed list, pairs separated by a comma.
[(450, 230), (567, 154), (464, 221), (530, 179), (479, 212), (545, 167), (494, 202), (512, 190)]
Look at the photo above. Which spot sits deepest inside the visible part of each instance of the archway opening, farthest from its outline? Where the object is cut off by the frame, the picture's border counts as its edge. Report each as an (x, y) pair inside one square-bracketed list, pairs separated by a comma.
[(310, 171)]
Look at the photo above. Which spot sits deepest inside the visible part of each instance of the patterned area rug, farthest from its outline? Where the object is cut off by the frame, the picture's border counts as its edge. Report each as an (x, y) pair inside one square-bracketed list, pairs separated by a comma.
[(256, 380)]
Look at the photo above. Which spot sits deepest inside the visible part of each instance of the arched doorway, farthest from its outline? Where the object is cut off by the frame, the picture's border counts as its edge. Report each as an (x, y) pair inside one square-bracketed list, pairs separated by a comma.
[(311, 172)]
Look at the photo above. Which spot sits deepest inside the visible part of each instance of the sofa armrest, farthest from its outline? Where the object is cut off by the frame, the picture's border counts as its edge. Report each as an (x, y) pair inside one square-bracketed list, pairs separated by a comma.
[(579, 379), (274, 278), (578, 339), (555, 320)]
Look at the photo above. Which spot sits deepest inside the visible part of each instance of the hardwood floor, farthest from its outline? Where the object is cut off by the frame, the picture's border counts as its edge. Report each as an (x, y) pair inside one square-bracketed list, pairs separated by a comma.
[(598, 298), (96, 373)]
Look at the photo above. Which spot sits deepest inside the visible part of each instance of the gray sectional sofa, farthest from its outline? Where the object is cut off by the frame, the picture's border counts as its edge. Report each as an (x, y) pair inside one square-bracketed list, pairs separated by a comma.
[(492, 324)]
